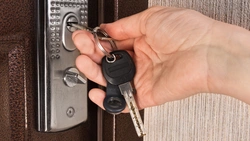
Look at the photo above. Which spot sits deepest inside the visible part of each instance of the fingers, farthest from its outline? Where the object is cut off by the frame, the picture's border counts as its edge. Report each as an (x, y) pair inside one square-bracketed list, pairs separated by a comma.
[(84, 41), (97, 96), (90, 69), (129, 27), (127, 44)]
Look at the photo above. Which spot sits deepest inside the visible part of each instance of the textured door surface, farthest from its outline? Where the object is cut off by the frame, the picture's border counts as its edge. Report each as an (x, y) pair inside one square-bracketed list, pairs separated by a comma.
[(18, 97), (204, 117)]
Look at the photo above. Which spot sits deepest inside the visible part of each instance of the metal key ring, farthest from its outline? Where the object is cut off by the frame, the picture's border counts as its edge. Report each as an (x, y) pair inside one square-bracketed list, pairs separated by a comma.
[(106, 38)]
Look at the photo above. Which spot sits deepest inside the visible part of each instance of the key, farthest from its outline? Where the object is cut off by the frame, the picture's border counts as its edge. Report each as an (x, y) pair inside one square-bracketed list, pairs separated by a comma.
[(114, 102), (78, 26), (120, 70), (101, 34)]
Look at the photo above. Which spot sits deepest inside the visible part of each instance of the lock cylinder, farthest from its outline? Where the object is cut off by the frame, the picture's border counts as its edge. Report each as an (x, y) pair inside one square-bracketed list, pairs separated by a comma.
[(71, 20), (67, 31)]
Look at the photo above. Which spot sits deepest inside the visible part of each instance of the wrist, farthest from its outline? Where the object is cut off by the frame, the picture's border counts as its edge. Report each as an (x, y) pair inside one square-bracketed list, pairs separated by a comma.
[(229, 62)]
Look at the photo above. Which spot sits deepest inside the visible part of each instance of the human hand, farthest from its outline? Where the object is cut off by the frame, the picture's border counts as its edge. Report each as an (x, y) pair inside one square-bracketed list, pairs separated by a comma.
[(170, 49)]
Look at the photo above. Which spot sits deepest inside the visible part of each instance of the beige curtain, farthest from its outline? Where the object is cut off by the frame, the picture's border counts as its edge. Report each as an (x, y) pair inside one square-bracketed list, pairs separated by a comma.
[(203, 117)]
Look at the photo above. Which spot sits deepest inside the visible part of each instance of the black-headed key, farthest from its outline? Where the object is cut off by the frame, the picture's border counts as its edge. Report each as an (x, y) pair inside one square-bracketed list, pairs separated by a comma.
[(114, 102), (120, 71)]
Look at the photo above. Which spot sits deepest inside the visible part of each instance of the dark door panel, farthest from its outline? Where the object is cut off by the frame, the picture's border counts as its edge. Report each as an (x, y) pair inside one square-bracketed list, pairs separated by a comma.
[(18, 87), (18, 83)]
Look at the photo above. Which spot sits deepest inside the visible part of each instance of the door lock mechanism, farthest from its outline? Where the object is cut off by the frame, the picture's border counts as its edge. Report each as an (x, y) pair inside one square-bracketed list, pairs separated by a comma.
[(72, 77), (62, 89), (71, 19), (67, 31)]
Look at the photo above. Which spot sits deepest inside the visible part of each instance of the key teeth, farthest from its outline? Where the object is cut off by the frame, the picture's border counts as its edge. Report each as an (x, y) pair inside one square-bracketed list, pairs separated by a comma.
[(134, 112)]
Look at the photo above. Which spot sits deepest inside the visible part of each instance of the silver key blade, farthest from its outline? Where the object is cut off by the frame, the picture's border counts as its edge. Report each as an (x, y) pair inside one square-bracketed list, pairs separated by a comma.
[(81, 27), (127, 91)]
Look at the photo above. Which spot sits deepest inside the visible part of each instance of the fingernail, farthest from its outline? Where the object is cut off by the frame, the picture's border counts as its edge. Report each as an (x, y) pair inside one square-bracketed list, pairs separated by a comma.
[(102, 26)]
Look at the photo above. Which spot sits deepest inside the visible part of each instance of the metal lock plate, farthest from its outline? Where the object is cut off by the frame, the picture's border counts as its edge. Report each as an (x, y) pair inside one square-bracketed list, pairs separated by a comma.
[(62, 89)]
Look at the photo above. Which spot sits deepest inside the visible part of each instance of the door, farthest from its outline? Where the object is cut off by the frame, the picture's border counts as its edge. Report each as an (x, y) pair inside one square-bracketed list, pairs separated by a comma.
[(19, 83)]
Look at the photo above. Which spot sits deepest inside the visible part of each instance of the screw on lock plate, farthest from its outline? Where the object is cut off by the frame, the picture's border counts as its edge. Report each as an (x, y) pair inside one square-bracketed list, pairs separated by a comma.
[(70, 112)]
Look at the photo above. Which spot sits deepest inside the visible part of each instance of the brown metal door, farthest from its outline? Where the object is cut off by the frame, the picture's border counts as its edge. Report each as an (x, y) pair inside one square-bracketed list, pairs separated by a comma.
[(18, 83), (18, 87)]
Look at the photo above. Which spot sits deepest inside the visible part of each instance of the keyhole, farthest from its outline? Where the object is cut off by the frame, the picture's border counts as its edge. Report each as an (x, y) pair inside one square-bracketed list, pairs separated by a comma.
[(71, 20), (67, 30)]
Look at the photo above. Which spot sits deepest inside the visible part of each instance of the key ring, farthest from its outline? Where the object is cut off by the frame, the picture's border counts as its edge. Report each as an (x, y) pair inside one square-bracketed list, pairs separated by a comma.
[(106, 37), (97, 38)]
